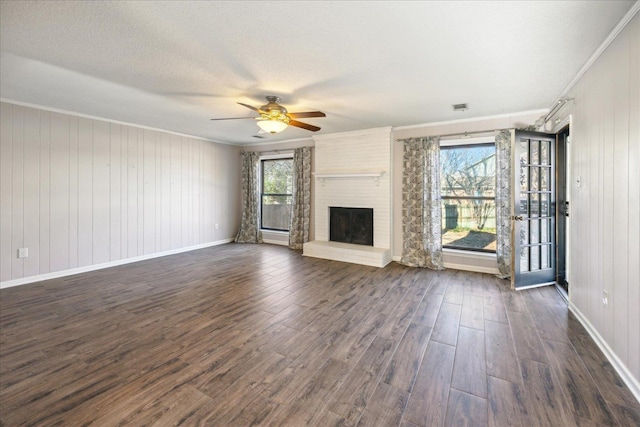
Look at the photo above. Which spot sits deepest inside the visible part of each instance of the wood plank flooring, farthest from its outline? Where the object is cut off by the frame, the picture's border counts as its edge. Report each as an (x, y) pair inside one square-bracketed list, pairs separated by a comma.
[(240, 335)]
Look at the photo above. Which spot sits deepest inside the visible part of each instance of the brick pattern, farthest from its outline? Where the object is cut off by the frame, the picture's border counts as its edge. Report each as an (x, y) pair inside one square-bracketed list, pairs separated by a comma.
[(352, 152)]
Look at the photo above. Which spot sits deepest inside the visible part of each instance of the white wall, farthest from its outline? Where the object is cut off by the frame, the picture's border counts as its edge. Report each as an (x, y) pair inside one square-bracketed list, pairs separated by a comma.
[(79, 192), (605, 211)]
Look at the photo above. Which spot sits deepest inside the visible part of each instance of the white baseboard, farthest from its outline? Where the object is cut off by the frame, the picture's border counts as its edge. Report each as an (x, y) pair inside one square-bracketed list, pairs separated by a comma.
[(618, 365), (71, 272)]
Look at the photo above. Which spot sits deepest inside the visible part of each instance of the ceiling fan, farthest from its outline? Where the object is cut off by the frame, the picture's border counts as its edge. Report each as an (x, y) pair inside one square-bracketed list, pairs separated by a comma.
[(274, 117)]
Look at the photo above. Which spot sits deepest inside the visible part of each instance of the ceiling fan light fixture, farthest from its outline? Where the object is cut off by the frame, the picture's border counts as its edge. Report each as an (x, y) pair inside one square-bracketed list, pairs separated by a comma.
[(272, 126)]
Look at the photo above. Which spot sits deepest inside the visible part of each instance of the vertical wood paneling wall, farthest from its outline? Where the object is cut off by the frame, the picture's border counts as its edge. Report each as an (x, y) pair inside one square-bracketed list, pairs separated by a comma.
[(79, 192), (605, 211)]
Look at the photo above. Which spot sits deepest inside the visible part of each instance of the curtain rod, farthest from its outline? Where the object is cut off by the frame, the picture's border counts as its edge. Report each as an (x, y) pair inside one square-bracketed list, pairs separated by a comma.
[(462, 134), (557, 106), (287, 151)]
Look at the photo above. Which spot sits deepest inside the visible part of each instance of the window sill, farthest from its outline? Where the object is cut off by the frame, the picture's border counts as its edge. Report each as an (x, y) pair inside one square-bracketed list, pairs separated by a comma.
[(275, 237), (469, 254), (481, 262), (266, 230)]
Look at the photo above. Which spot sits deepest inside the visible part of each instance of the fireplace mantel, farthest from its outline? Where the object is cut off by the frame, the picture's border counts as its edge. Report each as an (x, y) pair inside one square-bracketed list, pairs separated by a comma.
[(376, 175)]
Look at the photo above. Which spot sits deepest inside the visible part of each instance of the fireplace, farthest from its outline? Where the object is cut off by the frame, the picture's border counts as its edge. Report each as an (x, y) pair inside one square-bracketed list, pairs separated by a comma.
[(351, 225)]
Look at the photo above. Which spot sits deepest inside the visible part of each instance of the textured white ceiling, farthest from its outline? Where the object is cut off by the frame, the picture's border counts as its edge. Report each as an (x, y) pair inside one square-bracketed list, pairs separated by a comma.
[(174, 65)]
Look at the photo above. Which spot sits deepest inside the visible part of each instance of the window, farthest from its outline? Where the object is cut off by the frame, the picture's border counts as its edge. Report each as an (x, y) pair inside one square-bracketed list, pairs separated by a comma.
[(277, 186), (468, 189)]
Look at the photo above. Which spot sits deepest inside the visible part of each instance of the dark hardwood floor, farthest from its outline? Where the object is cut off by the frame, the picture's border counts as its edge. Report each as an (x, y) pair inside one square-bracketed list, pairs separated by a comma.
[(240, 335)]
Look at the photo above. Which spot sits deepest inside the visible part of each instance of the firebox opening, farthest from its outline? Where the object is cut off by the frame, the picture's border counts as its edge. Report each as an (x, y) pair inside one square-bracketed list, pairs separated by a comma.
[(351, 225)]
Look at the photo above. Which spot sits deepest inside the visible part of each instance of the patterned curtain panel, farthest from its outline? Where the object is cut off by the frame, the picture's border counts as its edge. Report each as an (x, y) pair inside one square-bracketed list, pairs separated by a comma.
[(301, 200), (250, 224), (421, 210), (503, 203)]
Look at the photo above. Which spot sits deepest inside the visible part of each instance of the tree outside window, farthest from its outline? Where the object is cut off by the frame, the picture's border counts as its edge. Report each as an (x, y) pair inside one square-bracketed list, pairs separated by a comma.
[(467, 179)]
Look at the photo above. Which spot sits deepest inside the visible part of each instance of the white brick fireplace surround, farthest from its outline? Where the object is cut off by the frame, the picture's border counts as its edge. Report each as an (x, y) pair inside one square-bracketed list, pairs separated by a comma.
[(353, 170)]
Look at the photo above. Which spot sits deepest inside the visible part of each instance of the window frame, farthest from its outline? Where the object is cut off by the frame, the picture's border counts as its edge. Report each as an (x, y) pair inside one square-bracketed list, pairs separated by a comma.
[(468, 143), (263, 194)]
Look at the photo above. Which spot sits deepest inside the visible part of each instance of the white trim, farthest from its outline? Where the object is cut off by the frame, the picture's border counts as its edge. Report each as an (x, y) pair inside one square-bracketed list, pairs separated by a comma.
[(265, 146), (469, 267), (275, 237), (338, 175), (474, 119), (73, 271), (600, 50), (322, 175), (363, 132), (468, 141), (285, 154), (537, 285), (557, 127), (469, 254), (103, 119), (618, 365)]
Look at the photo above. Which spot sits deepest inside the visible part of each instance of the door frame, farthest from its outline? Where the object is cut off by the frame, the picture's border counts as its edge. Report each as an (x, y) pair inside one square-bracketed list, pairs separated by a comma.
[(557, 128)]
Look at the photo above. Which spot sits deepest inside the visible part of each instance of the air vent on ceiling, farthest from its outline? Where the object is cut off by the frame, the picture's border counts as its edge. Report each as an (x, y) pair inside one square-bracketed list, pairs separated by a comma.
[(259, 136), (460, 107)]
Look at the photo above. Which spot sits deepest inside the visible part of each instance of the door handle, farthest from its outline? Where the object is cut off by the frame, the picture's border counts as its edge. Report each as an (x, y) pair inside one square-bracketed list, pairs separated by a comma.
[(517, 217)]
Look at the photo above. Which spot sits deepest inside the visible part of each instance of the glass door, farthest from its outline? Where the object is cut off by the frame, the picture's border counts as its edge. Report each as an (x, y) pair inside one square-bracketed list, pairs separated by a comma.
[(534, 209)]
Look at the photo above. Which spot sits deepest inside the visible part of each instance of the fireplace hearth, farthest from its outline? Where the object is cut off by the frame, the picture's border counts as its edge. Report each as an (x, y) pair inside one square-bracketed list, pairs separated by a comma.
[(351, 225)]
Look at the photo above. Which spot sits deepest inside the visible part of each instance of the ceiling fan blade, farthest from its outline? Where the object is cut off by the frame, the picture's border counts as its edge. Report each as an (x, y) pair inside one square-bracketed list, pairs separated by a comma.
[(234, 118), (307, 114), (306, 126), (251, 107)]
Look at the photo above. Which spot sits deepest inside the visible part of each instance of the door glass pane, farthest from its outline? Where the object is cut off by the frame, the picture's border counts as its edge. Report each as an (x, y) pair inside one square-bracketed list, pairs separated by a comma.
[(534, 231), (544, 178), (535, 178), (546, 256), (534, 204), (524, 232), (524, 259), (544, 152), (545, 230), (544, 204), (524, 178), (524, 151), (535, 258), (535, 152), (524, 203)]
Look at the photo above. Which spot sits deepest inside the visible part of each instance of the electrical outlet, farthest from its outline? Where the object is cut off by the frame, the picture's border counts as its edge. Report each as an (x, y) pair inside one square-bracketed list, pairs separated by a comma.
[(605, 298), (216, 226), (23, 253)]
